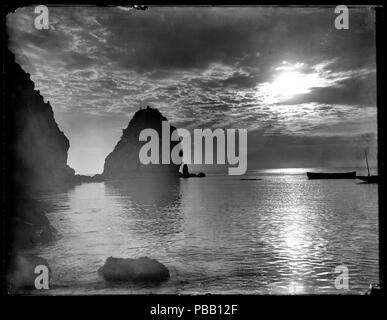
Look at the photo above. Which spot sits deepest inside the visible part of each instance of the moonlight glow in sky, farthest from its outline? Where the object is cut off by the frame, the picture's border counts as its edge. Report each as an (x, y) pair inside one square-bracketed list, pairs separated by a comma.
[(305, 91)]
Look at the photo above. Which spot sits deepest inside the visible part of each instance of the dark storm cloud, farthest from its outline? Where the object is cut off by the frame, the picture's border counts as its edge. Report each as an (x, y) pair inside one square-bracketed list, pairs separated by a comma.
[(186, 38), (161, 40)]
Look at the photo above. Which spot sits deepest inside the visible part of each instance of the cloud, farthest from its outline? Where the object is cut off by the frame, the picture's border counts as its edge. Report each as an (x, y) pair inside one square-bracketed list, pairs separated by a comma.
[(204, 66), (359, 91)]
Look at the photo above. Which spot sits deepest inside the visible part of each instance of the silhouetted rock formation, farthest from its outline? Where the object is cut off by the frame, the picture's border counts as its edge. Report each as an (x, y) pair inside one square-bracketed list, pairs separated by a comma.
[(29, 224), (134, 270), (123, 162), (186, 174), (79, 178), (38, 147), (36, 157)]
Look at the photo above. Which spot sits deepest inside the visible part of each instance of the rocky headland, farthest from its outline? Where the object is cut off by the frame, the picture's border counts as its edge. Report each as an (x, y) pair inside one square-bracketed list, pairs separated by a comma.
[(35, 162), (36, 157), (38, 147)]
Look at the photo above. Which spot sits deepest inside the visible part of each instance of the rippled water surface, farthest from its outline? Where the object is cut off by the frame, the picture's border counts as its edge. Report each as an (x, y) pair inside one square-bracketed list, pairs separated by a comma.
[(283, 234)]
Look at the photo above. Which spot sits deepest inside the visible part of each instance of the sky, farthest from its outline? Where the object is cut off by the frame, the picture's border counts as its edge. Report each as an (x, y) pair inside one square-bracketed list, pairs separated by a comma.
[(305, 91)]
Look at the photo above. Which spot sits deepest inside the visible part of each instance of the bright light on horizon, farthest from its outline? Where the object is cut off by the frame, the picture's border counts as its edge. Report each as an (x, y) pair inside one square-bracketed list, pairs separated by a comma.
[(291, 83)]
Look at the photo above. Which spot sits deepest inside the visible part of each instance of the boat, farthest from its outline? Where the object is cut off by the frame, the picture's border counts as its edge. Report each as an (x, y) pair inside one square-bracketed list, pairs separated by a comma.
[(370, 178), (331, 175)]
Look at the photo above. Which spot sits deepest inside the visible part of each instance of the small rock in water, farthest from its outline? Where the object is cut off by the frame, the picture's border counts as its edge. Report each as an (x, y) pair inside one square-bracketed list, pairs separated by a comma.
[(136, 270)]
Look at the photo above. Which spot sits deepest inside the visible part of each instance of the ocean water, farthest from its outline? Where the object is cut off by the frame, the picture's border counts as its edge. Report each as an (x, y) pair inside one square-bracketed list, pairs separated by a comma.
[(283, 234)]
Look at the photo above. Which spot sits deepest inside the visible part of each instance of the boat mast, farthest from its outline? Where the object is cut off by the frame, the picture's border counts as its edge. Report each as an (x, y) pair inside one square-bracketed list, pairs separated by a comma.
[(368, 169)]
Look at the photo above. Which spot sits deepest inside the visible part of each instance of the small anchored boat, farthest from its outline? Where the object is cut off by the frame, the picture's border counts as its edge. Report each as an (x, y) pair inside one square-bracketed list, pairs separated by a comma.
[(369, 178), (331, 175)]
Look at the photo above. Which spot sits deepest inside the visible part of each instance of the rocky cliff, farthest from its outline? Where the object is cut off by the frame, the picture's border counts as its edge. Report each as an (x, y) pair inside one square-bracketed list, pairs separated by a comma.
[(123, 162), (35, 158), (37, 147)]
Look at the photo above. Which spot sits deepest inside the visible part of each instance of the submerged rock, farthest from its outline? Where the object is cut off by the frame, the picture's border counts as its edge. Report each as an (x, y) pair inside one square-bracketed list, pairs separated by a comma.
[(134, 270)]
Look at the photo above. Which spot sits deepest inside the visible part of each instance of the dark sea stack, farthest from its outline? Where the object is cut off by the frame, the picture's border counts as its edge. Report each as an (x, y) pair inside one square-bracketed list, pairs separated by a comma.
[(185, 173), (133, 270), (123, 162)]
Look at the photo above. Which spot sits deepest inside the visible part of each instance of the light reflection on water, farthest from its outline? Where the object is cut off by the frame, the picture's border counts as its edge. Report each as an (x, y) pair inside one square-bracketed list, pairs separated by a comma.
[(283, 234)]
